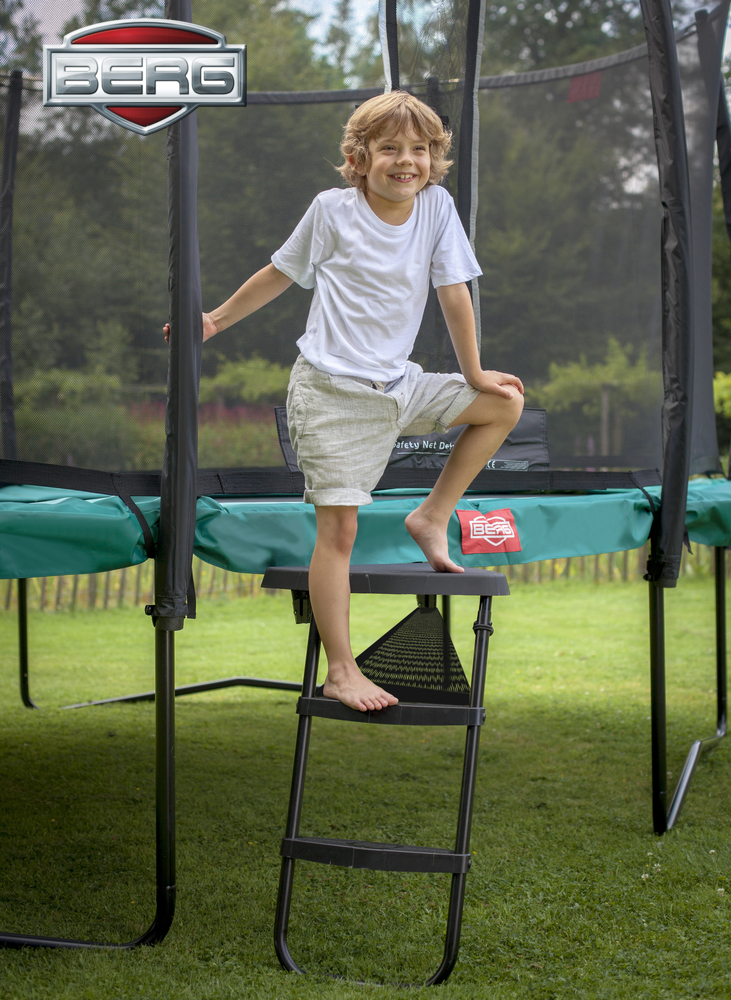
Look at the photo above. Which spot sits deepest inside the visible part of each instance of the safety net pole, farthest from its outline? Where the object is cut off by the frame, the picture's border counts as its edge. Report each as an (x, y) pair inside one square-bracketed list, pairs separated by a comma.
[(173, 563), (180, 463), (702, 111), (10, 157), (388, 34), (469, 139), (7, 397), (677, 288), (677, 353), (723, 144)]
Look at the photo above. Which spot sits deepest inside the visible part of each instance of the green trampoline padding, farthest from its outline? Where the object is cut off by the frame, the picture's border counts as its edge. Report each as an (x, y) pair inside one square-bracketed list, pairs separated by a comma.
[(49, 532)]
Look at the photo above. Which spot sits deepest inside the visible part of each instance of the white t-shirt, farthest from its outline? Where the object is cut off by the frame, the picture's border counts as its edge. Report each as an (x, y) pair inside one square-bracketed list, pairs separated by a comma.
[(371, 279)]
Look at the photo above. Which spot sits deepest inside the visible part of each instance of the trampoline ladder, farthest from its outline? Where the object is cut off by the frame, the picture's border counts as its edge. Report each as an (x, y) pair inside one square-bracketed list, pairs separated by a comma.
[(378, 856)]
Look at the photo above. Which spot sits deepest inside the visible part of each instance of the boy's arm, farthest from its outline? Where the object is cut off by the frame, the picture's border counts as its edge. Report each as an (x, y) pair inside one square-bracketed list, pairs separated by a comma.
[(260, 289), (456, 303)]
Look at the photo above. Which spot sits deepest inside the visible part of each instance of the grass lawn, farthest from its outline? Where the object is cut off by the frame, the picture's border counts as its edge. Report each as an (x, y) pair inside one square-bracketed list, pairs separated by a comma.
[(570, 894)]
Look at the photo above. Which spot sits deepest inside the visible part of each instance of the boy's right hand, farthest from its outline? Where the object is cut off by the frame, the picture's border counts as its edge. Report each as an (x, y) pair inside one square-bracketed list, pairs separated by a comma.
[(209, 329)]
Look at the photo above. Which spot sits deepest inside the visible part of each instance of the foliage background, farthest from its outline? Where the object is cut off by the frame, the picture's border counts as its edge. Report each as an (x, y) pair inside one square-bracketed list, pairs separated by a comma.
[(90, 266)]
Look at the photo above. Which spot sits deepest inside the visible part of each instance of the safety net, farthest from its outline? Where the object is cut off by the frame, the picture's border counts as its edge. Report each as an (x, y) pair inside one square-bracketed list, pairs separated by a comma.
[(555, 180)]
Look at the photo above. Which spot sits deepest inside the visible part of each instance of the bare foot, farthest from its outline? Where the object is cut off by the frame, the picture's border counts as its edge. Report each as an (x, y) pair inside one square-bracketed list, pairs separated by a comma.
[(432, 540), (347, 684)]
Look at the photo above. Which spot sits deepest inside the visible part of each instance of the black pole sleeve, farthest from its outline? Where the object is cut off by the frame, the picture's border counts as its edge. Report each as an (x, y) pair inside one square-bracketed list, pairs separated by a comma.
[(10, 156), (677, 287), (392, 40), (467, 121), (723, 143), (180, 464)]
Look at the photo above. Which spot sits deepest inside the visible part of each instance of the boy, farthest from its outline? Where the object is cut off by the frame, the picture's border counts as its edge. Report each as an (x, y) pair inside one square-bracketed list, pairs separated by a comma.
[(369, 251)]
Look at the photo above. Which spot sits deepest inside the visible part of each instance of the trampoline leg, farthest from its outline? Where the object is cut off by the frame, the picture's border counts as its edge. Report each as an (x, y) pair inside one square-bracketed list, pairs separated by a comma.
[(665, 814), (23, 644), (164, 810), (164, 785), (700, 746), (721, 641), (225, 682), (658, 720), (284, 897)]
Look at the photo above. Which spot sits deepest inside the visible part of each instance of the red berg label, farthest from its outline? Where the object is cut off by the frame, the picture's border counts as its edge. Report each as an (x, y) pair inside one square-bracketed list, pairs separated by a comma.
[(492, 532)]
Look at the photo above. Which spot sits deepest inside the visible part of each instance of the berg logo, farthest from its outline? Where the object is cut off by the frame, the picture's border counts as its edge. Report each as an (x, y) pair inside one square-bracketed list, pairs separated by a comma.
[(144, 74), (492, 532)]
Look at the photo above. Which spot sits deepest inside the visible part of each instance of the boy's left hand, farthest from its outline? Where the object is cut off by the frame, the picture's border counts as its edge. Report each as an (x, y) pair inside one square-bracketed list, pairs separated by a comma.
[(497, 383)]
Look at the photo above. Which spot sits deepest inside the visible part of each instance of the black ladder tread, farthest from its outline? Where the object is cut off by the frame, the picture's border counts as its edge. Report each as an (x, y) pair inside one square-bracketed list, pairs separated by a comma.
[(374, 856), (403, 714), (399, 578)]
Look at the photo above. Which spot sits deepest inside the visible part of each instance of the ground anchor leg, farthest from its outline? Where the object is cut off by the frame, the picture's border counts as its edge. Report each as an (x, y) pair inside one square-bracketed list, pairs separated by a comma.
[(665, 815)]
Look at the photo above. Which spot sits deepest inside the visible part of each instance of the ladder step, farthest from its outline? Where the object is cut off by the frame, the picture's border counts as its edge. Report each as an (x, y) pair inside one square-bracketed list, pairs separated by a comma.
[(374, 856), (403, 714)]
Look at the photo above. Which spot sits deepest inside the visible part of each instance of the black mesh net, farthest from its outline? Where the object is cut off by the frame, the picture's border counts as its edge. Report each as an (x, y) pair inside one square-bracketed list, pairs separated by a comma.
[(89, 291), (562, 189), (416, 661), (568, 226)]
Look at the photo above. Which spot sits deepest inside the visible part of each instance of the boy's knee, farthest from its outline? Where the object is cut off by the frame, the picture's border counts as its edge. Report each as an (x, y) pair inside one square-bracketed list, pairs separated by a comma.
[(337, 526), (515, 408), (508, 411)]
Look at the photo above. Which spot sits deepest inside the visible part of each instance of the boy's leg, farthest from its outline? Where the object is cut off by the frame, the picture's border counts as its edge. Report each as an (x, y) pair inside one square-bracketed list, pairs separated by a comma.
[(491, 418), (330, 596)]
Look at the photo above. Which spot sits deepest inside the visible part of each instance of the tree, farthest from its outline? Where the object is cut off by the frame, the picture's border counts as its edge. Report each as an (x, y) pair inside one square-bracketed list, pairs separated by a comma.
[(519, 35), (20, 38), (340, 36), (608, 402), (535, 35), (96, 11)]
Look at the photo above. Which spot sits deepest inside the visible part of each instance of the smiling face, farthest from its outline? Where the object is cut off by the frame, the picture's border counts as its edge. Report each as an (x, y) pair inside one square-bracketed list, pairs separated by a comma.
[(399, 168), (386, 116)]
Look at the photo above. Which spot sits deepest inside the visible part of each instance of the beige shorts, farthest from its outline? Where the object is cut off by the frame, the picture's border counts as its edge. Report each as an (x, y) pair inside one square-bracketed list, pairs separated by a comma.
[(344, 429)]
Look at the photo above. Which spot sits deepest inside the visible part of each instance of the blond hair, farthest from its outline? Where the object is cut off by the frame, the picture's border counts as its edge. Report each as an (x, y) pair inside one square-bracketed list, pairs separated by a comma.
[(391, 113)]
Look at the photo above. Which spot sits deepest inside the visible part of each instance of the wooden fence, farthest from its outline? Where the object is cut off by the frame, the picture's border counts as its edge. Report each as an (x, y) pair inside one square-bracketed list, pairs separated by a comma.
[(134, 586), (610, 566), (124, 588)]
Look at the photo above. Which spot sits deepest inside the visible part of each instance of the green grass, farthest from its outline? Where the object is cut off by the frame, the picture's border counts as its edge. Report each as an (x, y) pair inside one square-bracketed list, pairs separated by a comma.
[(556, 904)]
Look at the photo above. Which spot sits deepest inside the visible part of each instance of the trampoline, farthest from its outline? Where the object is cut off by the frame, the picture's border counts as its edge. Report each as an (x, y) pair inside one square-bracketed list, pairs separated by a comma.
[(586, 191), (43, 529), (48, 531)]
